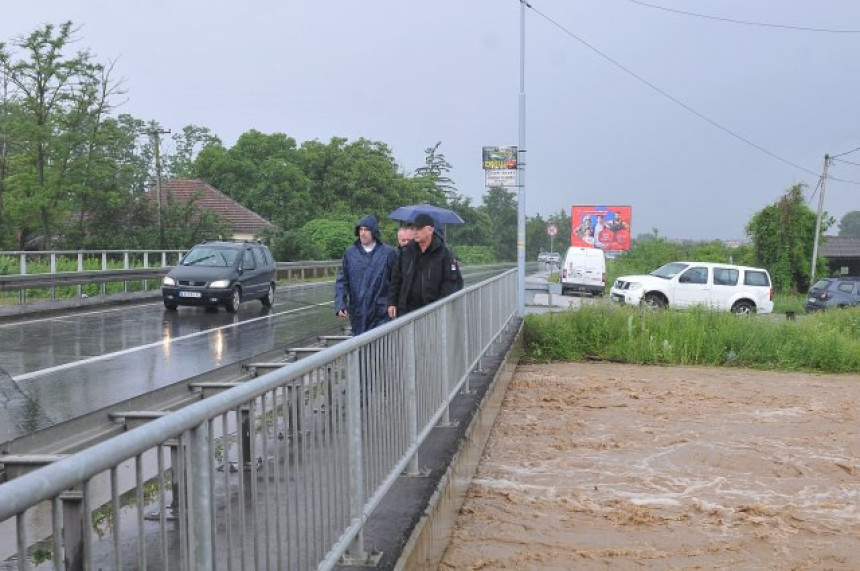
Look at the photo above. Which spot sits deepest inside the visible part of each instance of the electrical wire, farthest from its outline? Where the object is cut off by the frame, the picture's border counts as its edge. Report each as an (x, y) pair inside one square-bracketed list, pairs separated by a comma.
[(671, 97), (814, 190), (845, 153), (846, 162), (744, 22)]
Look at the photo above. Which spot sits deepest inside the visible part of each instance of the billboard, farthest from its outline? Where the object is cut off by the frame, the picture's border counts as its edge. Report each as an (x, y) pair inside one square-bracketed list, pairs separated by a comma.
[(606, 227), (497, 158)]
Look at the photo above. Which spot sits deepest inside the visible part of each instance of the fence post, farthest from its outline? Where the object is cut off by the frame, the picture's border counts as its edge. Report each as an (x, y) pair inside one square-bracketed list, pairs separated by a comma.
[(125, 266), (104, 269), (22, 294), (355, 455), (73, 538), (53, 257), (445, 377), (200, 522), (80, 287), (411, 395)]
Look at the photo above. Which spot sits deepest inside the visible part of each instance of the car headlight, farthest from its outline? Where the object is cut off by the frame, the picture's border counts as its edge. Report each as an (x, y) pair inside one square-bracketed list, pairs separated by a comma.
[(634, 286), (168, 281), (220, 284)]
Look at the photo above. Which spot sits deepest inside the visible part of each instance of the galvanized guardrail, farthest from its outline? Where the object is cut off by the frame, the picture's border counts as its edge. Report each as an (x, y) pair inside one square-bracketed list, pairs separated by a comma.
[(280, 471), (138, 266)]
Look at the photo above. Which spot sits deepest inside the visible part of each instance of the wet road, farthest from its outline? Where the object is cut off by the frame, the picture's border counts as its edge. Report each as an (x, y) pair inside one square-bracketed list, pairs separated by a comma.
[(57, 368)]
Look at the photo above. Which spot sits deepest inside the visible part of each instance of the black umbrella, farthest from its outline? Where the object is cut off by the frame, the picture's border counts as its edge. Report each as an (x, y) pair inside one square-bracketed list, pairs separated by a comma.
[(440, 215)]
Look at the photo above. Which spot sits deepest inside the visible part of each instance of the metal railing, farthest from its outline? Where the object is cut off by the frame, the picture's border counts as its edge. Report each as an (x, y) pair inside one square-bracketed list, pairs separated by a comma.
[(279, 472), (115, 266)]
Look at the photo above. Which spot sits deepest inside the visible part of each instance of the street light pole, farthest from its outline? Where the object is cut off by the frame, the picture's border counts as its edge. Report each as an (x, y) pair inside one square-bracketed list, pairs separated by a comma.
[(521, 171)]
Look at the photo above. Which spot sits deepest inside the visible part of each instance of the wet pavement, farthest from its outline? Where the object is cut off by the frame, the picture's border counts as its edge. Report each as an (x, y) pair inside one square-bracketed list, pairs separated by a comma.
[(59, 367)]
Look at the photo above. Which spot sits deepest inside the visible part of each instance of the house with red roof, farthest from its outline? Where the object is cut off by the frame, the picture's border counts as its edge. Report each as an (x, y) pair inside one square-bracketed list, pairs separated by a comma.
[(246, 224)]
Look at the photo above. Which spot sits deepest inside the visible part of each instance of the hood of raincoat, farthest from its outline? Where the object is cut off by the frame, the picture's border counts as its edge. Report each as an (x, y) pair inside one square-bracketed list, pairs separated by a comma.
[(369, 221)]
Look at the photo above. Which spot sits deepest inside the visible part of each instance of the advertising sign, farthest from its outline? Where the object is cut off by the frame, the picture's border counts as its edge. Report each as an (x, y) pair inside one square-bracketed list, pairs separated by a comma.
[(605, 227), (498, 158), (500, 177)]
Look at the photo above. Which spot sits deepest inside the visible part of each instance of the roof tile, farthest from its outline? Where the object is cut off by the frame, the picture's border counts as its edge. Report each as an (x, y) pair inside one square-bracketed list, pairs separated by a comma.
[(207, 197)]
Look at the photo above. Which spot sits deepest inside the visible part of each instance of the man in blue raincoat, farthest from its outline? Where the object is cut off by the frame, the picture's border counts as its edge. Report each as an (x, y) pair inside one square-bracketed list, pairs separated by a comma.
[(361, 288)]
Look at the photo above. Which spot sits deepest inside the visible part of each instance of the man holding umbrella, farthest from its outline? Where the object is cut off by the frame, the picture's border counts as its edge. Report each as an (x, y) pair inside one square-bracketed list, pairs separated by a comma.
[(425, 271)]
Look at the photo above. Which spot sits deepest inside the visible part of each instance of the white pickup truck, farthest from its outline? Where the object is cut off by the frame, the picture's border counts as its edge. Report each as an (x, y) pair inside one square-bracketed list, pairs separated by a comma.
[(724, 287)]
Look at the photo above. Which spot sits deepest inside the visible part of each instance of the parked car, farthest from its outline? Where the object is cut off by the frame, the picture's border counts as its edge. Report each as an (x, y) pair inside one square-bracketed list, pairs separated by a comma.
[(583, 270), (724, 287), (834, 292), (221, 273)]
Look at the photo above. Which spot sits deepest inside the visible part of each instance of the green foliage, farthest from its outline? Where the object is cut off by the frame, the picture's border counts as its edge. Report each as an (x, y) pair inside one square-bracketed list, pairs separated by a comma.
[(474, 255), (500, 207), (783, 235), (436, 168), (318, 239), (823, 342), (849, 225)]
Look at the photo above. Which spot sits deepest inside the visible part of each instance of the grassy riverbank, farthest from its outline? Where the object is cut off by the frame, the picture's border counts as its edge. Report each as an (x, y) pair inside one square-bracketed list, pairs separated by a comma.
[(824, 342)]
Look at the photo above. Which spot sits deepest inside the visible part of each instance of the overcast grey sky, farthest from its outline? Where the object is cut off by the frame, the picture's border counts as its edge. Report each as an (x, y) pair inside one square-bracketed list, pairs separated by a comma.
[(413, 73)]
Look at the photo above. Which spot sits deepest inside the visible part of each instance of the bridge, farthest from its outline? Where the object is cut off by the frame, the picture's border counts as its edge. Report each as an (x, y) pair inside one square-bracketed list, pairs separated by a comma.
[(303, 463)]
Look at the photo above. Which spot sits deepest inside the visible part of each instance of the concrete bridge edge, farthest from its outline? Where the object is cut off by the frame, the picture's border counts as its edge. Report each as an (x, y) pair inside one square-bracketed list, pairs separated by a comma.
[(429, 539)]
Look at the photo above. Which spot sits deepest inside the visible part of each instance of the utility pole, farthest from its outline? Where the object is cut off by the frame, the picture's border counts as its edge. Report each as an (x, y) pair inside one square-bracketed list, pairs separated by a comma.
[(818, 221), (155, 135), (521, 171)]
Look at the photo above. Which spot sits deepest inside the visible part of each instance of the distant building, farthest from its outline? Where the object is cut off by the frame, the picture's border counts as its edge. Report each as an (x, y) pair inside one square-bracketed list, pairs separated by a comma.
[(245, 223), (843, 255)]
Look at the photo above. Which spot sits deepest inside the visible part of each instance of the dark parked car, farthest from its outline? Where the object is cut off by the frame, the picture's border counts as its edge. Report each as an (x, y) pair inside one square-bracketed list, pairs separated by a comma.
[(833, 292), (221, 273)]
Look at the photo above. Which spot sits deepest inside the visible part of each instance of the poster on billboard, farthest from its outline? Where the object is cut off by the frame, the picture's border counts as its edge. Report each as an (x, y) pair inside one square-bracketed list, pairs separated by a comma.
[(605, 227), (499, 158)]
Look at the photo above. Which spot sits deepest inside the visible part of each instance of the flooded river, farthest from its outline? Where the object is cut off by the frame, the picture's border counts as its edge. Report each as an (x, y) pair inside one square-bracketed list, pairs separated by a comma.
[(603, 466)]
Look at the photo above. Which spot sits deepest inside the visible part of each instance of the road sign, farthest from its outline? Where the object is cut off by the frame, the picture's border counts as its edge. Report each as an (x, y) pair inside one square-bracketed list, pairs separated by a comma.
[(552, 230)]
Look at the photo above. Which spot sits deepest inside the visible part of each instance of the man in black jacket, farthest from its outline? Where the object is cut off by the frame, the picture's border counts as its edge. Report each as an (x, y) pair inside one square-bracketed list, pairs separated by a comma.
[(425, 271)]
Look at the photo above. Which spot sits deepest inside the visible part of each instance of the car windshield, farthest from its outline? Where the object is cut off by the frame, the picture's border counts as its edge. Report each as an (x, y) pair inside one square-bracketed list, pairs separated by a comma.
[(821, 284), (669, 270), (210, 256)]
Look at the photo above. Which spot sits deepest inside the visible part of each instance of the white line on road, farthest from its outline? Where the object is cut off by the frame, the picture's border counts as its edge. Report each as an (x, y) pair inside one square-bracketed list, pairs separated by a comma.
[(106, 356)]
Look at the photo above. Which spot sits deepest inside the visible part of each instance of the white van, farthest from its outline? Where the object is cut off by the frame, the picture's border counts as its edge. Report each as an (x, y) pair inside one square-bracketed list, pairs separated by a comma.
[(583, 270)]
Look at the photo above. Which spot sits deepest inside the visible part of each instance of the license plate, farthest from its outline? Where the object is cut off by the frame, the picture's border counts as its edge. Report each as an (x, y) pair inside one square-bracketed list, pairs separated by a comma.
[(811, 300), (190, 294)]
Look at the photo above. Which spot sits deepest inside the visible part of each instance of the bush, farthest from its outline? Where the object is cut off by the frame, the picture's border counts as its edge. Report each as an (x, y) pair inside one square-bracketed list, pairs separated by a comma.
[(824, 342), (474, 255)]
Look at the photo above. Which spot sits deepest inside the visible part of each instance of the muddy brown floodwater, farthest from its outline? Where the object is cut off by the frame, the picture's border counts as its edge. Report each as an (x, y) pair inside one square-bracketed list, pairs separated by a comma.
[(605, 466)]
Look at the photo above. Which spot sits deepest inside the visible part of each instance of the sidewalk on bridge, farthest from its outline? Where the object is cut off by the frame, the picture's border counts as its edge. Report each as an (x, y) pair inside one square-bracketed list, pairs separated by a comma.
[(545, 301)]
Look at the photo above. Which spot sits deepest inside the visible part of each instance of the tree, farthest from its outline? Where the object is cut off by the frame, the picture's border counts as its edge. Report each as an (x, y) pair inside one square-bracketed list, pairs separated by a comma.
[(783, 235), (849, 225), (55, 104), (500, 207), (436, 169), (188, 143)]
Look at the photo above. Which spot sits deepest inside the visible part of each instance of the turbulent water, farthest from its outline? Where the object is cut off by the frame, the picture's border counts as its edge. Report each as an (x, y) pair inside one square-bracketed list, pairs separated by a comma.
[(601, 466)]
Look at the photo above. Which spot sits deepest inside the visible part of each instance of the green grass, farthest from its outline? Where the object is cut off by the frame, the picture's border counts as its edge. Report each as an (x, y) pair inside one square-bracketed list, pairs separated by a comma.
[(822, 342)]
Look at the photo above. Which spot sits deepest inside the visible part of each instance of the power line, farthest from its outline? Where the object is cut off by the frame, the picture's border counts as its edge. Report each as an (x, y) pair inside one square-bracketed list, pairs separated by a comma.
[(671, 97), (845, 153), (846, 162), (744, 22)]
